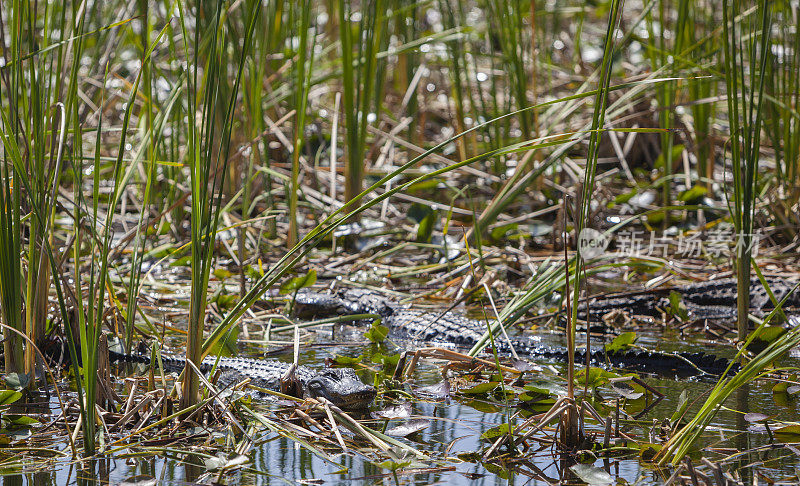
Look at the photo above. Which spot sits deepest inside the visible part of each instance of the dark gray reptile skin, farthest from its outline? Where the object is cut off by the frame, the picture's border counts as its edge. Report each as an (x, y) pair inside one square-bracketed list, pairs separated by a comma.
[(339, 385), (451, 328), (713, 299)]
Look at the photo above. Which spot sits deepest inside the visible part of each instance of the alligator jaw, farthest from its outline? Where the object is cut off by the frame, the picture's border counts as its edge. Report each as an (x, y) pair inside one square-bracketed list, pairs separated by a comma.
[(342, 387)]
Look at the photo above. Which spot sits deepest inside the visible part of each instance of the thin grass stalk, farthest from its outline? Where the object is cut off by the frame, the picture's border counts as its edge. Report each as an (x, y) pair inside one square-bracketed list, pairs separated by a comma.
[(302, 86), (10, 271), (572, 432), (151, 140), (358, 85)]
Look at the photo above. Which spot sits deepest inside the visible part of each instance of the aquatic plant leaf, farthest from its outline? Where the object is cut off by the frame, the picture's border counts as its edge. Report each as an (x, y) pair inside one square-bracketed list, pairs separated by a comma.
[(785, 386), (389, 362), (227, 346), (625, 197), (676, 307), (222, 273), (592, 475), (376, 333), (693, 194), (497, 469), (623, 341), (769, 334), (9, 396), (392, 465), (396, 411), (438, 391), (597, 376), (677, 150), (409, 427), (22, 420), (538, 391), (790, 433), (17, 381), (480, 388), (300, 282), (348, 360), (425, 185), (222, 462), (680, 409), (425, 217), (181, 262), (647, 450), (755, 417), (552, 388), (495, 432), (501, 231), (139, 480), (626, 390)]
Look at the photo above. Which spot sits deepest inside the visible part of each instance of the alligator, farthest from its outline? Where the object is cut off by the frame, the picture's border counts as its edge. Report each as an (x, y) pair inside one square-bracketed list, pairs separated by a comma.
[(341, 386), (712, 299), (454, 329)]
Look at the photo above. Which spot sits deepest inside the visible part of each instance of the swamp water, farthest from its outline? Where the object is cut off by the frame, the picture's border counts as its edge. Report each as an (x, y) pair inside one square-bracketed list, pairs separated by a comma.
[(454, 429)]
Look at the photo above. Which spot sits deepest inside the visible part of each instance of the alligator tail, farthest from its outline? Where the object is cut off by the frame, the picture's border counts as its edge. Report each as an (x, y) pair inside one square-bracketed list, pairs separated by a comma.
[(678, 364)]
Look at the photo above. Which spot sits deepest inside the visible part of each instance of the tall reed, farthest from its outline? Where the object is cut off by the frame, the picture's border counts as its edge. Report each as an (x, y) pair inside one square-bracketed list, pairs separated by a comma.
[(360, 44), (746, 41), (302, 70), (207, 160)]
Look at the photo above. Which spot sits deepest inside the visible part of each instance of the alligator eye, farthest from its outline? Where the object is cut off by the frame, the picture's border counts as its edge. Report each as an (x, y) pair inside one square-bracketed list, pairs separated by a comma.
[(315, 384)]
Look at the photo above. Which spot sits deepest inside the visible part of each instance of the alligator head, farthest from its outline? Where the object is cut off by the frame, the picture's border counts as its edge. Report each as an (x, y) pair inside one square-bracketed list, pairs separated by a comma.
[(341, 387)]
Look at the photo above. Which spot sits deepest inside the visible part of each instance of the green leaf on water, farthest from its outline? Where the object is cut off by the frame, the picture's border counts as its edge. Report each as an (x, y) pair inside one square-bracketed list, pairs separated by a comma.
[(676, 307), (647, 450), (389, 362), (480, 388), (790, 433), (597, 377), (17, 381), (769, 334), (392, 465), (677, 150), (376, 333), (425, 217), (495, 432), (184, 261), (424, 185), (534, 394), (21, 420), (592, 475), (348, 360), (9, 396), (300, 282), (623, 341)]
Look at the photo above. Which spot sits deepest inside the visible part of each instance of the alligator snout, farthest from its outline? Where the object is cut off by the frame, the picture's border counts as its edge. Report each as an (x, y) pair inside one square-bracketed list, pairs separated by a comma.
[(342, 387)]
